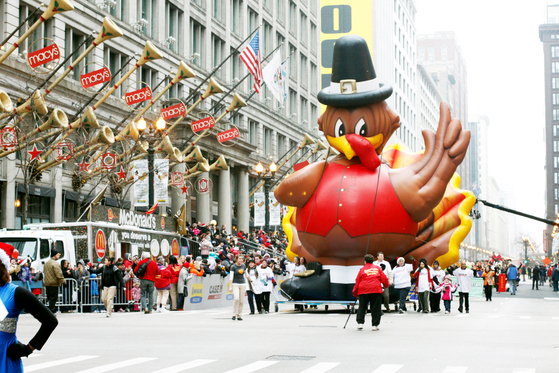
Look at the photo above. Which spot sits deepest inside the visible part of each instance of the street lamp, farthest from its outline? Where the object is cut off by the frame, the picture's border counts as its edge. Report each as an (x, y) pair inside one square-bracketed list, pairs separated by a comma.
[(267, 174), (150, 134)]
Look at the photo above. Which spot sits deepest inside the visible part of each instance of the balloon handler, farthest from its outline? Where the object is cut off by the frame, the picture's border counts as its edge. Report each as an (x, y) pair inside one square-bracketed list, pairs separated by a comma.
[(365, 200)]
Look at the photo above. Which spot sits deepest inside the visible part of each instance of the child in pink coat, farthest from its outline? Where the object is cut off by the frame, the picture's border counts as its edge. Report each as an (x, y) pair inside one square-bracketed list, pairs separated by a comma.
[(447, 288), (136, 295)]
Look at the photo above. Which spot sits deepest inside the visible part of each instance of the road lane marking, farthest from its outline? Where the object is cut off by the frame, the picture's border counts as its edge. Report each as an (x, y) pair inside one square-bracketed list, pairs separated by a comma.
[(185, 366), (253, 367), (388, 368), (55, 363), (455, 369), (115, 366), (320, 368)]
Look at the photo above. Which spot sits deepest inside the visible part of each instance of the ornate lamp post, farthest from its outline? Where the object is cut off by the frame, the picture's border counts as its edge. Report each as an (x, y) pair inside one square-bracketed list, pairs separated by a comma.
[(150, 134)]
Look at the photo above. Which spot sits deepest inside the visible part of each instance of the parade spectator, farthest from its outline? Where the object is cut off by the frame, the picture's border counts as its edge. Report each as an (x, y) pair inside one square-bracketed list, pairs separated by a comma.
[(53, 278), (549, 273), (254, 290), (387, 269), (182, 284), (536, 277), (36, 276), (464, 278), (175, 268), (447, 288), (205, 246), (68, 287), (237, 285), (265, 275), (136, 295), (110, 278), (488, 282), (162, 284), (512, 276), (437, 275), (147, 280), (368, 288), (16, 299), (543, 274), (289, 268), (402, 281), (82, 276), (25, 273), (555, 278), (196, 268), (423, 285)]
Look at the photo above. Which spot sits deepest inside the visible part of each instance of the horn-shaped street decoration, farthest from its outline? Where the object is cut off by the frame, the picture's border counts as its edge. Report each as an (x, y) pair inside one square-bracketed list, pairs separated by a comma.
[(220, 164), (150, 53), (35, 102), (55, 7), (6, 105), (195, 156), (57, 119), (174, 153), (331, 151), (110, 30)]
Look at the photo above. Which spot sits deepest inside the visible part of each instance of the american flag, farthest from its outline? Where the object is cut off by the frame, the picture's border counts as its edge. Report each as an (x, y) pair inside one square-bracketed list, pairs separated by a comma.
[(251, 58)]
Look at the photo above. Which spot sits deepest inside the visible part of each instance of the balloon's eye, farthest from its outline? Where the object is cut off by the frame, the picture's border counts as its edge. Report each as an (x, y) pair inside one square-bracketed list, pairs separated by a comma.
[(361, 128), (339, 129)]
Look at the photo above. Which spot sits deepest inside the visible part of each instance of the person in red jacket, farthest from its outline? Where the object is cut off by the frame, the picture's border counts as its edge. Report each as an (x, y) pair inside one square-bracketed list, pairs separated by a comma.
[(163, 285), (368, 287), (175, 267), (147, 281)]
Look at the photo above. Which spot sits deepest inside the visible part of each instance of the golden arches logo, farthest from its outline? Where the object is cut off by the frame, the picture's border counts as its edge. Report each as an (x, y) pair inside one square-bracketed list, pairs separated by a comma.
[(100, 243)]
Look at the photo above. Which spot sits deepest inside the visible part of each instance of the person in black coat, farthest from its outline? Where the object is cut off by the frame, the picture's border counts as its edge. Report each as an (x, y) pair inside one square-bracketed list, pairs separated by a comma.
[(111, 277), (535, 277)]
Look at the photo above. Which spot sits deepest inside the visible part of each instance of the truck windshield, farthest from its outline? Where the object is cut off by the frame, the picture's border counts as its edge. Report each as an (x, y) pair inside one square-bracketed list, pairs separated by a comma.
[(25, 246)]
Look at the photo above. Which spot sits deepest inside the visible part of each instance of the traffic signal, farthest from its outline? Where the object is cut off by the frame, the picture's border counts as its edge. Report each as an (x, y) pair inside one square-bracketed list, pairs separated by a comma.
[(525, 261)]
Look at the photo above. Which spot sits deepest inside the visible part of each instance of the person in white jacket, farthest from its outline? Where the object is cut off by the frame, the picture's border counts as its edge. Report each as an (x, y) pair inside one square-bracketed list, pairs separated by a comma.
[(265, 275), (387, 269), (402, 281), (438, 277), (464, 278)]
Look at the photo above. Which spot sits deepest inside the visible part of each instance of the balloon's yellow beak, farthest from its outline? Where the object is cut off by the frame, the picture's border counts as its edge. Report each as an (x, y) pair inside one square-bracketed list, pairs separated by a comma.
[(342, 145)]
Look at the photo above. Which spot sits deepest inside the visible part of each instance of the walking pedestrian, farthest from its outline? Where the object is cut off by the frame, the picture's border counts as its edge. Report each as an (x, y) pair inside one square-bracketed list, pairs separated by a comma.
[(438, 275), (368, 287), (387, 269), (147, 280), (536, 277), (254, 290), (512, 275), (488, 282), (423, 285), (447, 288), (15, 299), (162, 285), (175, 267), (110, 278), (52, 279), (237, 285), (555, 278), (464, 278), (402, 281)]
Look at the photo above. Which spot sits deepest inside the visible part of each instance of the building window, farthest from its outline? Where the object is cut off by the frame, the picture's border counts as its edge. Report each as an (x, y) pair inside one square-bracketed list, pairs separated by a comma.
[(115, 61), (292, 105), (117, 11), (554, 83), (280, 6), (556, 209), (293, 17), (556, 145), (555, 114), (218, 47), (252, 20), (218, 9), (197, 41), (556, 162), (304, 69), (555, 51), (556, 194), (431, 54), (304, 112), (556, 177), (314, 78), (556, 130), (267, 41), (421, 54), (292, 62), (43, 31), (267, 141), (314, 38), (253, 132), (303, 26), (235, 65), (236, 25), (174, 24), (73, 39), (314, 117), (147, 9), (38, 210), (555, 98), (281, 146), (280, 41), (555, 67), (444, 53)]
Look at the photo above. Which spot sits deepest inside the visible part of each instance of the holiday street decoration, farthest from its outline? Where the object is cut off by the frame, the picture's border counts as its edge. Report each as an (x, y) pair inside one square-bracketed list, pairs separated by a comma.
[(352, 205), (177, 179), (35, 103), (121, 174), (64, 150), (96, 77), (34, 153), (41, 57), (8, 138), (84, 166), (55, 7), (108, 160)]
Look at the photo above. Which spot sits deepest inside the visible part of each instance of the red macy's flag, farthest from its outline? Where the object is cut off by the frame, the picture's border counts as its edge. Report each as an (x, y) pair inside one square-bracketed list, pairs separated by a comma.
[(152, 209)]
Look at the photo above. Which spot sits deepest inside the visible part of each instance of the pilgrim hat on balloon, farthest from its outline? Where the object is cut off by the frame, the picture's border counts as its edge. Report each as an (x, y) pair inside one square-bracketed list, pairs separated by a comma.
[(353, 81)]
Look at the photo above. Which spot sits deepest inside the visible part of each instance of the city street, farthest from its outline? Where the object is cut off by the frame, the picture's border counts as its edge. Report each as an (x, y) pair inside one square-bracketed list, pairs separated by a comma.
[(510, 334)]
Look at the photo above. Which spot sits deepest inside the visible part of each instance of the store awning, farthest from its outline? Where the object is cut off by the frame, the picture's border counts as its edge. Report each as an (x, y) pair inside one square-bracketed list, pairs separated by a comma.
[(35, 190)]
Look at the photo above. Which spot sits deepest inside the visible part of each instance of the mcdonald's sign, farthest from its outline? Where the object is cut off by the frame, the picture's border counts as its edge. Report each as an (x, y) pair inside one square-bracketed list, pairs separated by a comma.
[(100, 243)]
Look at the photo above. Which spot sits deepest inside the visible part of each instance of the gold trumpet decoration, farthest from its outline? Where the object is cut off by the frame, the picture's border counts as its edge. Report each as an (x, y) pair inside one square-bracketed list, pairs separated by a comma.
[(55, 7), (6, 105), (150, 53), (331, 151), (110, 30), (237, 102), (57, 119), (174, 153), (195, 156), (131, 130), (142, 147), (220, 164), (200, 167), (213, 88), (307, 140), (35, 102)]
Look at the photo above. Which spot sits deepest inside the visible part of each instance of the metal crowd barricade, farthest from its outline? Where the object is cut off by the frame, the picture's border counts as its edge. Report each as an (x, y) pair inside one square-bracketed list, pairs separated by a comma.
[(92, 291), (67, 296)]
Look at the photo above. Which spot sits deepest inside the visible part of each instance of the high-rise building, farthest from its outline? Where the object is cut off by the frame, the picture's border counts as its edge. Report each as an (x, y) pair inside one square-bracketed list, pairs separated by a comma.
[(549, 36), (441, 56)]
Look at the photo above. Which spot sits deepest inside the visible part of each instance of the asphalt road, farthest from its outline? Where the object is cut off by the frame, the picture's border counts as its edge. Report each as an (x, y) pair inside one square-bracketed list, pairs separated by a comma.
[(510, 334)]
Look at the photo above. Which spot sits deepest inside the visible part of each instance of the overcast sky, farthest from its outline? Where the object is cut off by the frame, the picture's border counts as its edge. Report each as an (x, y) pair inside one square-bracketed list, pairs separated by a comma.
[(504, 58)]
